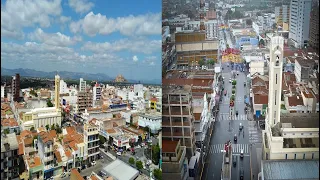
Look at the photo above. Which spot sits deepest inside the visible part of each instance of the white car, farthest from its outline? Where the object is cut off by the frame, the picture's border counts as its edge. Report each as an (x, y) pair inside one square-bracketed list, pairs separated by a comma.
[(93, 163), (119, 153), (241, 153)]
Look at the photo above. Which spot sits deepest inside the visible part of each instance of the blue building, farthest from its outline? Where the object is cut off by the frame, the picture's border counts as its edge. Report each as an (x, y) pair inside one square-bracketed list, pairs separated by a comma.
[(241, 40)]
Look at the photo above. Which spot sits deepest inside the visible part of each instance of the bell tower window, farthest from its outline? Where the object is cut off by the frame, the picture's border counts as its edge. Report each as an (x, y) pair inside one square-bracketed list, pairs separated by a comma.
[(277, 60)]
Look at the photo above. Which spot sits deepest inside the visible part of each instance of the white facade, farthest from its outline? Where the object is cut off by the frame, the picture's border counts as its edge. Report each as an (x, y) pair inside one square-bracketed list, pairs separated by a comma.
[(63, 87), (82, 85), (2, 91), (43, 116), (211, 27), (97, 89), (257, 27), (91, 142), (275, 80), (256, 66), (152, 121), (299, 22)]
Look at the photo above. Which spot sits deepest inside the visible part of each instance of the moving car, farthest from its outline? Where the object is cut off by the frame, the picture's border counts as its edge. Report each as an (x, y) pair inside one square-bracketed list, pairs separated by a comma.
[(237, 113), (241, 173), (235, 138), (240, 126), (93, 163), (241, 153), (234, 160)]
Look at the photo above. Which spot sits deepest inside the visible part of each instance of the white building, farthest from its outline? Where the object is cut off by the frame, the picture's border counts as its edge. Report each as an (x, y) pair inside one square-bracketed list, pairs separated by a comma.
[(2, 91), (45, 150), (82, 85), (63, 87), (211, 27), (138, 90), (288, 137), (91, 142), (40, 117), (257, 27), (299, 22), (96, 94), (152, 121)]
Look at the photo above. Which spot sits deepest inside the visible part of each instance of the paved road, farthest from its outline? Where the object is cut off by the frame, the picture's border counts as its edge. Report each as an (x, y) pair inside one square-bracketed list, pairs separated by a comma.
[(223, 132)]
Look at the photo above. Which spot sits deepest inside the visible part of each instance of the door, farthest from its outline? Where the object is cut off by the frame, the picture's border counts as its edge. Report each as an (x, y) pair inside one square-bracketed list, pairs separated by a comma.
[(258, 113)]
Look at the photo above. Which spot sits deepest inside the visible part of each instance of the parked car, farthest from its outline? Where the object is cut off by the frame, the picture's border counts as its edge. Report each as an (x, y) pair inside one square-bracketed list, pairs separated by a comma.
[(119, 153), (235, 138), (237, 113), (83, 166)]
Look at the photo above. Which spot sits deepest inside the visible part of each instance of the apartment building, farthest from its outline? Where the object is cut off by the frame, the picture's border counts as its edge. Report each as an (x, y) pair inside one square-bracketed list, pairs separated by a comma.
[(282, 14), (174, 161), (91, 141), (97, 89), (9, 156), (177, 117), (303, 68), (211, 27), (84, 100), (82, 85), (45, 151), (299, 22), (314, 27), (150, 120), (15, 85)]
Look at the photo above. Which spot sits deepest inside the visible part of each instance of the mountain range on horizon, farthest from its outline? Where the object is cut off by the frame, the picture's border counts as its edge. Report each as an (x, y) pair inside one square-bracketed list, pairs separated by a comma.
[(69, 75)]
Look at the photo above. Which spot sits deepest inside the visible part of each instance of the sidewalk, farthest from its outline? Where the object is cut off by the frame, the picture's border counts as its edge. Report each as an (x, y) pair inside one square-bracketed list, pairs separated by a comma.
[(108, 154)]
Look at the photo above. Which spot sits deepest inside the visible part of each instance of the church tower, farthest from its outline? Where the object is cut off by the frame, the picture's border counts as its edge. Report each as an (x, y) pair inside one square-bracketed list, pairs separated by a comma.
[(57, 92), (275, 80)]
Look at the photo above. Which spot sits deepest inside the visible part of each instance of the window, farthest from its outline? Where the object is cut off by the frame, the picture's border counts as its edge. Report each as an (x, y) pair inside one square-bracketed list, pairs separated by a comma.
[(301, 133), (293, 133), (295, 156), (310, 134), (286, 156), (304, 156), (276, 78), (275, 97), (312, 155)]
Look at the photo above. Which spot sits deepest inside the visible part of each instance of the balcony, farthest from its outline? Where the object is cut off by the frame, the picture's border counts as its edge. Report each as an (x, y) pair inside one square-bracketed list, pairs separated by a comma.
[(300, 142), (174, 164), (48, 158)]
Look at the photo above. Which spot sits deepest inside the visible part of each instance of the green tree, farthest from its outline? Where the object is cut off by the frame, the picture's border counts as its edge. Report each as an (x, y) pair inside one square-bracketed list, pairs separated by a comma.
[(157, 174), (219, 13), (139, 165), (59, 130), (53, 127), (131, 160), (47, 127), (233, 91), (32, 128), (102, 139), (211, 62), (234, 82), (261, 42), (156, 154), (6, 131), (49, 103), (201, 62)]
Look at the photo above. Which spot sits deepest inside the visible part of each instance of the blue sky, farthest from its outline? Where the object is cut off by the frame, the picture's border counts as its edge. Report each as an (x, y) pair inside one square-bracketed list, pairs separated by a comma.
[(97, 36)]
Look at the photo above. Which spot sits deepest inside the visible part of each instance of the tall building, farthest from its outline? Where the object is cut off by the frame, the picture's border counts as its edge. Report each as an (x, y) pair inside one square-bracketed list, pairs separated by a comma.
[(91, 141), (84, 100), (16, 87), (275, 80), (299, 22), (96, 93), (282, 14), (57, 92), (9, 156), (177, 117), (82, 85), (45, 150), (292, 135), (174, 161), (314, 27)]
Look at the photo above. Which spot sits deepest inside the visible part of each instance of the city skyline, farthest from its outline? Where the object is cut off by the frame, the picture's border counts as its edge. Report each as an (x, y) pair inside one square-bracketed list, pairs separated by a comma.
[(66, 36)]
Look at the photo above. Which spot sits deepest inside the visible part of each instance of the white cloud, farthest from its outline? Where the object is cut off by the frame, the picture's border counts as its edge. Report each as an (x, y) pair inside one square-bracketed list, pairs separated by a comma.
[(17, 14), (150, 60), (135, 58), (93, 24), (134, 45), (55, 39), (81, 6), (42, 53), (64, 19)]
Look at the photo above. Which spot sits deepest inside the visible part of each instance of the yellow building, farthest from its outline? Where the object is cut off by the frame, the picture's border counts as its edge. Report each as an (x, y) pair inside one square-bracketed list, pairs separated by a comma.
[(153, 103)]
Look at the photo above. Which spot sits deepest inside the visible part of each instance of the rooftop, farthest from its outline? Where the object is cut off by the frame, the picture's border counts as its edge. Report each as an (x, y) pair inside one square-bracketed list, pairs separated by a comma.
[(177, 89), (10, 122), (301, 120), (169, 146), (290, 169), (9, 142), (116, 169)]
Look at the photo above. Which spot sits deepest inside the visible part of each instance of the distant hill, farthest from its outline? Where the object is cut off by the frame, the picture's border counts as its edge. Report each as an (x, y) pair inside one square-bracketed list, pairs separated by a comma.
[(68, 75)]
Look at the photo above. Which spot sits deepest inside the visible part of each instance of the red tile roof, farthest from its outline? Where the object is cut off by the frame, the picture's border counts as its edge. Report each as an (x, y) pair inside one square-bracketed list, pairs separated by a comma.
[(295, 101), (260, 99), (10, 122)]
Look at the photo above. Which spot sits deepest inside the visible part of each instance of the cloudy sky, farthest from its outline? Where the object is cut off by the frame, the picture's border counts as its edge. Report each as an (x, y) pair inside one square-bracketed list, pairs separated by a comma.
[(97, 36)]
